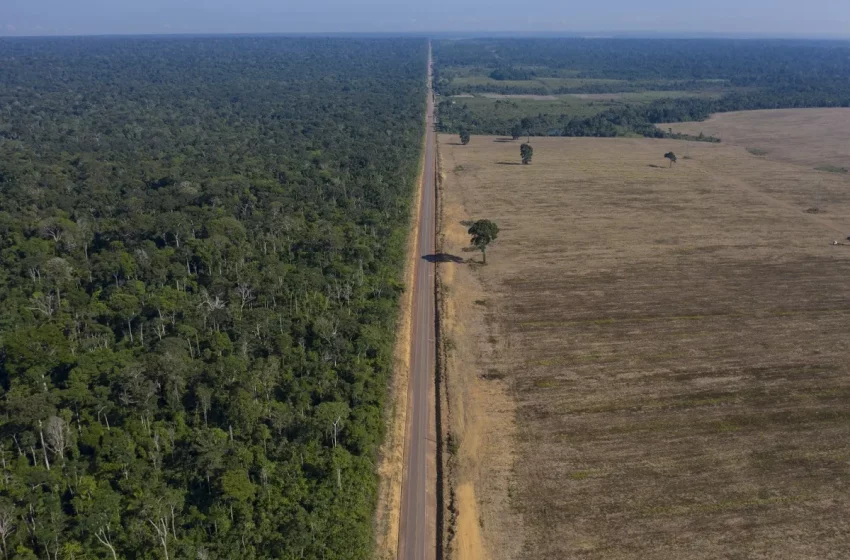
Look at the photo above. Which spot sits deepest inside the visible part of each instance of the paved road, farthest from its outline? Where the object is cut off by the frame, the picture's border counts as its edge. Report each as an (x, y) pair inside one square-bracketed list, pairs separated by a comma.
[(417, 531)]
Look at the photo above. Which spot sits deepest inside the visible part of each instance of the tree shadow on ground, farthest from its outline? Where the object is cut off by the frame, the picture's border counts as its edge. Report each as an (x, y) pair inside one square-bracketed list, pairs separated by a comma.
[(504, 140), (444, 258), (471, 261), (656, 166), (454, 144), (507, 163)]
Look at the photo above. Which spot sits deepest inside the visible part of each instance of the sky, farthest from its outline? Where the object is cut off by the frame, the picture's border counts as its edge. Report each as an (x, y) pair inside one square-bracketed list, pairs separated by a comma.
[(779, 18)]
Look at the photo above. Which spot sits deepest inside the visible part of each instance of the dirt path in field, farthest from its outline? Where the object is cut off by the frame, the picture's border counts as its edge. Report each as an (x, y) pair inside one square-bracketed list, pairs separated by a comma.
[(469, 545)]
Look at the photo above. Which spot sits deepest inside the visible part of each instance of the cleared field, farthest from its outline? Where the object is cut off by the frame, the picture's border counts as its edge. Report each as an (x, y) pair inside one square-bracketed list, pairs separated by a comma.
[(646, 96), (549, 83), (813, 137), (629, 97), (654, 362)]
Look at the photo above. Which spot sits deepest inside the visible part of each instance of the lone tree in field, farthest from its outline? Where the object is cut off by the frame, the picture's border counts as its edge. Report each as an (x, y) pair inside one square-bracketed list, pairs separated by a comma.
[(464, 137), (516, 131), (526, 152), (672, 157), (483, 233)]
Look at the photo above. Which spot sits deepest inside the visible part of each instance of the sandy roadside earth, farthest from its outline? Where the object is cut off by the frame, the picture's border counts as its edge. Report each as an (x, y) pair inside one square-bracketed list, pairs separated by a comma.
[(480, 416)]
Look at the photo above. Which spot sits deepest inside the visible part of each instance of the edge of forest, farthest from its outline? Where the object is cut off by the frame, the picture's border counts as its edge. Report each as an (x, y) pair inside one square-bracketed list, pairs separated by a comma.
[(391, 455)]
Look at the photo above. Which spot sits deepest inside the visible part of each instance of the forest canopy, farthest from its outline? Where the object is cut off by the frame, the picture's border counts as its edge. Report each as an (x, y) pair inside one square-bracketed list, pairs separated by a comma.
[(200, 245), (699, 76)]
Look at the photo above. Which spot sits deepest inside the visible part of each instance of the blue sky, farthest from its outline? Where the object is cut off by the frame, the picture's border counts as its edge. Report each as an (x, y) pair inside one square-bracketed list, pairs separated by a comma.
[(83, 17)]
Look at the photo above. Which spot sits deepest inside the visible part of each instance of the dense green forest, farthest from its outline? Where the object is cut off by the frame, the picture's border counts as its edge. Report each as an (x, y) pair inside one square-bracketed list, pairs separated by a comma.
[(750, 74), (200, 245)]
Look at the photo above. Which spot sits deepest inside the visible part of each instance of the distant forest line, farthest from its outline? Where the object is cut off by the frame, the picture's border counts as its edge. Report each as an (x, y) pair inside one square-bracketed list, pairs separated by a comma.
[(750, 74)]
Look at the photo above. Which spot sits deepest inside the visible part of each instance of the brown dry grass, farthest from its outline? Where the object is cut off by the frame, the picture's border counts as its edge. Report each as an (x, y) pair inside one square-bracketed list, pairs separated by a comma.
[(479, 415), (674, 345), (812, 137)]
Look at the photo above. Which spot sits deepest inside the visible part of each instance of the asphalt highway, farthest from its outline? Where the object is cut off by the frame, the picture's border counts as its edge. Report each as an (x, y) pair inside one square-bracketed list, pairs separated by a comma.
[(417, 531)]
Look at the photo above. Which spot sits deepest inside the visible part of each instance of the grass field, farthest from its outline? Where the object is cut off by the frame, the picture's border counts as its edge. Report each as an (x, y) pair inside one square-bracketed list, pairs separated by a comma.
[(810, 137), (654, 362)]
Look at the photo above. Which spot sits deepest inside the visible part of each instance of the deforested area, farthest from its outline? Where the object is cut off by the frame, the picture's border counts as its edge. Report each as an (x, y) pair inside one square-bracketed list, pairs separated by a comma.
[(816, 138), (653, 361), (201, 242)]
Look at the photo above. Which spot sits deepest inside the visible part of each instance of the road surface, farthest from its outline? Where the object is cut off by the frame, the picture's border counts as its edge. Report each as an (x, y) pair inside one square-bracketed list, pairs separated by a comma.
[(417, 531)]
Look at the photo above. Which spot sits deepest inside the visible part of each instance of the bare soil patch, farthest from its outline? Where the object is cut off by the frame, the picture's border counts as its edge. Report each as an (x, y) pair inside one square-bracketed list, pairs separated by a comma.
[(810, 137), (654, 362)]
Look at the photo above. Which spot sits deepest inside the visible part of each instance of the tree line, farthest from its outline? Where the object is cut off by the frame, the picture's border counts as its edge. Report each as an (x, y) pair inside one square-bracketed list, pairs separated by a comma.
[(639, 119), (761, 75), (741, 63)]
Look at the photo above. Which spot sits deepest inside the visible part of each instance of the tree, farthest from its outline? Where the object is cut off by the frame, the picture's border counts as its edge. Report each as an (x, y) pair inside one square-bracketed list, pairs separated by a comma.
[(672, 157), (58, 436), (483, 233), (526, 152), (464, 137), (7, 527), (185, 356), (516, 131)]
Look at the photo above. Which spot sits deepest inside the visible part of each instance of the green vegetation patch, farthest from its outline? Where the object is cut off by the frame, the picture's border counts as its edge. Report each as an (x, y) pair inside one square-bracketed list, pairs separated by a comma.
[(633, 84), (200, 261), (832, 169)]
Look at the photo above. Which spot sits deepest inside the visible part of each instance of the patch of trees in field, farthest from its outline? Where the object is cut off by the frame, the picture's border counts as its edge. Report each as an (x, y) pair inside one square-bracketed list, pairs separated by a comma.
[(512, 73), (764, 75), (200, 245)]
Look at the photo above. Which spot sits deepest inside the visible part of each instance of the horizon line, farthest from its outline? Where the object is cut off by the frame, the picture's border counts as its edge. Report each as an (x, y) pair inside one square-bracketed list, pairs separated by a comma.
[(602, 34)]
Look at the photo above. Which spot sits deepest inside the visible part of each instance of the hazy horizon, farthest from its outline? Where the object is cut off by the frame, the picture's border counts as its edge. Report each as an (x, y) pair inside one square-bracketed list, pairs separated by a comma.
[(782, 18)]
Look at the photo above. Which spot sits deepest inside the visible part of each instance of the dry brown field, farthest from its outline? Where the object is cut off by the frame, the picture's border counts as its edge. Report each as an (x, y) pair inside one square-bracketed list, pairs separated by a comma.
[(655, 362), (810, 137)]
